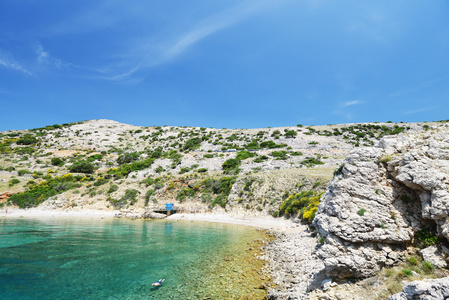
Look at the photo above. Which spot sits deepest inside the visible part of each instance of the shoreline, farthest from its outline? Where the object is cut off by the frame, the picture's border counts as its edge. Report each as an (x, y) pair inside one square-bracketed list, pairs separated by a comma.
[(262, 222), (290, 255), (277, 225)]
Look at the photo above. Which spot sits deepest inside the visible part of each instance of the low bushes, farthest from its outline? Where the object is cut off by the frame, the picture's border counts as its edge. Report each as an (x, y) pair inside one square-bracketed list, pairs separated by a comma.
[(425, 237), (221, 188), (304, 205), (82, 167), (36, 194), (231, 166), (125, 169), (56, 161), (129, 198), (311, 161), (127, 158)]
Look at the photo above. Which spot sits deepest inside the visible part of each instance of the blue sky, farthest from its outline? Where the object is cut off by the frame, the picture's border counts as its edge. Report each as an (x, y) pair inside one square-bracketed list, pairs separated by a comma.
[(223, 63)]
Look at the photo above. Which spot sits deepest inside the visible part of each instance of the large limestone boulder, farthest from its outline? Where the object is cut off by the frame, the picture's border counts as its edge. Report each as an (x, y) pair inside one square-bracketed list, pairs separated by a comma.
[(381, 198)]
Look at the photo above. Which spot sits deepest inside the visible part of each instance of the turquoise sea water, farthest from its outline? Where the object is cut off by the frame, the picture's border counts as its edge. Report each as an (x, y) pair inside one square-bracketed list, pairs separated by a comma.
[(119, 259)]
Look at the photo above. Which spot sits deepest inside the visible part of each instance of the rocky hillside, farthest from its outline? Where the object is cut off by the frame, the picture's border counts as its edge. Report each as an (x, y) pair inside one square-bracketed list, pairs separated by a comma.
[(103, 164)]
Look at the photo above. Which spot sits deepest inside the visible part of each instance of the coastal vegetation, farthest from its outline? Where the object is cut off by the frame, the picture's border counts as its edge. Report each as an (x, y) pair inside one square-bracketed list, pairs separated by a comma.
[(302, 205)]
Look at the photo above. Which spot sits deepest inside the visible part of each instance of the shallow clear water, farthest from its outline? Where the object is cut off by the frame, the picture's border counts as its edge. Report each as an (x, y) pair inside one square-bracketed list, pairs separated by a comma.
[(119, 259)]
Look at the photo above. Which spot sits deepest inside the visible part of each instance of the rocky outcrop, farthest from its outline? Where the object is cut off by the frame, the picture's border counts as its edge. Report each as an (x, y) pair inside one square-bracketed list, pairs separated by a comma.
[(5, 196), (153, 215), (294, 267), (431, 290), (380, 198)]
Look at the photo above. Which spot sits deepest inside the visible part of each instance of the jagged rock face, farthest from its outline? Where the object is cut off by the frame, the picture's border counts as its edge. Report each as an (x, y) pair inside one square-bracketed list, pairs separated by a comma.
[(383, 195)]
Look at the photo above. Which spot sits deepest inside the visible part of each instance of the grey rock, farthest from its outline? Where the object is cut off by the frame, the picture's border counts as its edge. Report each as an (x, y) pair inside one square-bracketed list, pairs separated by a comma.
[(370, 214), (435, 289), (153, 215), (326, 284), (433, 255)]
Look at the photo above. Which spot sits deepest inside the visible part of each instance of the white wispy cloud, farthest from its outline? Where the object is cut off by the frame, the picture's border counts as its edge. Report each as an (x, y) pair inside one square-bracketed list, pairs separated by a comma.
[(351, 103), (150, 52), (44, 58), (14, 66), (8, 62)]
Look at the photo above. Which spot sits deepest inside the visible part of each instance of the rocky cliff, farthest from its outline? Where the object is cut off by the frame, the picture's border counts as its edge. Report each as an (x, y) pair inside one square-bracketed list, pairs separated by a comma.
[(380, 198)]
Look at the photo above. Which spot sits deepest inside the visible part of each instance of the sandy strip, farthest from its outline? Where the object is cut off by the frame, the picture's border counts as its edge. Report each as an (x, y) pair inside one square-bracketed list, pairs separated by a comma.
[(265, 222)]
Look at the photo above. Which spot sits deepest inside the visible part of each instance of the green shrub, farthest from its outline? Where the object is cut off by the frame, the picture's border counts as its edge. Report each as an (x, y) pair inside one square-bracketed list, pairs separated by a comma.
[(127, 158), (23, 172), (159, 169), (361, 212), (248, 183), (339, 170), (202, 170), (406, 272), (13, 182), (425, 237), (296, 153), (221, 200), (252, 145), (242, 155), (385, 158), (290, 133), (311, 161), (101, 181), (231, 166), (219, 187), (112, 188), (56, 161), (184, 170), (192, 144), (412, 261), (27, 140), (184, 193), (130, 195), (148, 194), (10, 169), (125, 169), (261, 158), (427, 267), (82, 167), (94, 157), (271, 145), (279, 154)]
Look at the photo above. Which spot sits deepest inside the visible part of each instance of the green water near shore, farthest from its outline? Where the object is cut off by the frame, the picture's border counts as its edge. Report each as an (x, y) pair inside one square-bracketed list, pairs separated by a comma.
[(119, 259)]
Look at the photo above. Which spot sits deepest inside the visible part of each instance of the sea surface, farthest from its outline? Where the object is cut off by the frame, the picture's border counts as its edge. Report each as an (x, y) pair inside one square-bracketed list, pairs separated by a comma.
[(76, 258)]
